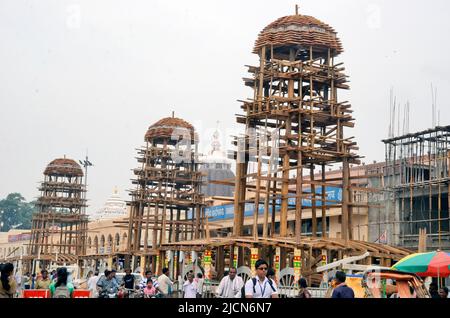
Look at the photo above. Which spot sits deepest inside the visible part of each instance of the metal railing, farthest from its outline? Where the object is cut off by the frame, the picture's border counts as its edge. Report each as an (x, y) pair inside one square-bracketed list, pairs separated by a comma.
[(318, 292)]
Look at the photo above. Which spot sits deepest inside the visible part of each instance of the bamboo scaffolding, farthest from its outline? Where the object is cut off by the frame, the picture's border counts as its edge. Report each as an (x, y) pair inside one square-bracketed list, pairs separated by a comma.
[(166, 186), (59, 225)]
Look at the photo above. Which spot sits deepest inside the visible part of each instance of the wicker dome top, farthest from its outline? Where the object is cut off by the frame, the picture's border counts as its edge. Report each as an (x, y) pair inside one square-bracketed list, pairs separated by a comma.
[(164, 128), (300, 30), (64, 167)]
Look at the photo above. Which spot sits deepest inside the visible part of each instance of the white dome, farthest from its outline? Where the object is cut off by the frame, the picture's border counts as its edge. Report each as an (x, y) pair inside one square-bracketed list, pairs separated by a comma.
[(114, 207)]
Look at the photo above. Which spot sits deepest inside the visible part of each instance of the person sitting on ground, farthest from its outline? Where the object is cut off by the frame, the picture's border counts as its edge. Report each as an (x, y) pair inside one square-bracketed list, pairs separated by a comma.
[(303, 292), (61, 288), (230, 286), (342, 290), (7, 281), (44, 281), (443, 292), (149, 290), (260, 286)]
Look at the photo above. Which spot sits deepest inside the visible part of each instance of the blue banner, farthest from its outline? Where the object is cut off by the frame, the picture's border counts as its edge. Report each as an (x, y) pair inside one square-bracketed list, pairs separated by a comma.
[(222, 212)]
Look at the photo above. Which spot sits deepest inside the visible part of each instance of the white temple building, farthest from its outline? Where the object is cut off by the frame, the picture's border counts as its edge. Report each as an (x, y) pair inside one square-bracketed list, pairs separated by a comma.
[(115, 207), (217, 167)]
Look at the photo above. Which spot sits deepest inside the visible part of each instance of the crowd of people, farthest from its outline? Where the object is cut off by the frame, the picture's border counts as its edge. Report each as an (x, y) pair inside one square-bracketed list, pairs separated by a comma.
[(149, 286), (262, 285), (100, 286), (57, 283)]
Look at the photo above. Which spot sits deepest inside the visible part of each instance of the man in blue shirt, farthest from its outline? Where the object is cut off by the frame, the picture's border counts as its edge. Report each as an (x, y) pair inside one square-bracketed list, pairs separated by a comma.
[(107, 284), (342, 290)]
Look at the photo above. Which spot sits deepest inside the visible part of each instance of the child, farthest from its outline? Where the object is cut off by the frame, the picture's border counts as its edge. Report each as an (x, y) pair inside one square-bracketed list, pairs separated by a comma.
[(149, 290)]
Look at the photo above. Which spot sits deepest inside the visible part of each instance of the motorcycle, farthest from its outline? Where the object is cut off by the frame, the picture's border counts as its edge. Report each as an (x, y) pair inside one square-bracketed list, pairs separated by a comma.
[(133, 293), (108, 294)]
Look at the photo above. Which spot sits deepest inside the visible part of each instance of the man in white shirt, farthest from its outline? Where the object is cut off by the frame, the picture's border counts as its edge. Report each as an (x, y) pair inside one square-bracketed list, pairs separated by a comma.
[(230, 286), (165, 282), (190, 287), (260, 286)]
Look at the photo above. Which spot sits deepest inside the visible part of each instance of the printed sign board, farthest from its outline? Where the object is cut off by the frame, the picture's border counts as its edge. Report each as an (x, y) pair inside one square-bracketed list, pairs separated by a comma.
[(36, 293), (223, 212), (81, 294)]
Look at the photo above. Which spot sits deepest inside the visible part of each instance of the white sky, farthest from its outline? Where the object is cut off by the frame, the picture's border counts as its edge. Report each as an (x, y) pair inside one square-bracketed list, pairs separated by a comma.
[(93, 74)]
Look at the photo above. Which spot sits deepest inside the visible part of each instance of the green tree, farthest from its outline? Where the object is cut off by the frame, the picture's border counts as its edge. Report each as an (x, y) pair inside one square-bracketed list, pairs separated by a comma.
[(15, 212)]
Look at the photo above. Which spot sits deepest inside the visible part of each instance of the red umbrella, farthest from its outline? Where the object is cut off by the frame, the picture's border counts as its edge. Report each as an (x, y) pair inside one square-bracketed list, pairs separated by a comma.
[(433, 264)]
